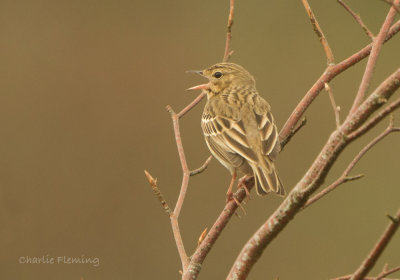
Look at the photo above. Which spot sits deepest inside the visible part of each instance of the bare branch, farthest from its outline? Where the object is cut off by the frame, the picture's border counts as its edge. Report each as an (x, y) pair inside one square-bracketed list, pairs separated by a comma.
[(336, 109), (374, 255), (326, 77), (345, 176), (201, 168), (320, 34), (358, 19), (376, 48), (228, 53)]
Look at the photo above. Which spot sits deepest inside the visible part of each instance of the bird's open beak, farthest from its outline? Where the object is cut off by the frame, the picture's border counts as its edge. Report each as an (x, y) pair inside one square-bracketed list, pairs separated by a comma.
[(203, 86), (195, 71)]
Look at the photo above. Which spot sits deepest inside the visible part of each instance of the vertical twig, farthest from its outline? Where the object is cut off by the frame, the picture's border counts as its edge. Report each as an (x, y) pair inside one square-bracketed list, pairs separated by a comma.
[(228, 53), (376, 48), (373, 256), (336, 108)]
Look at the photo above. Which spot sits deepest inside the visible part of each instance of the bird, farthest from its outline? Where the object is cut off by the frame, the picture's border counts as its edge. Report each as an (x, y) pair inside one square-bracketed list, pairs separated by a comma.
[(239, 128)]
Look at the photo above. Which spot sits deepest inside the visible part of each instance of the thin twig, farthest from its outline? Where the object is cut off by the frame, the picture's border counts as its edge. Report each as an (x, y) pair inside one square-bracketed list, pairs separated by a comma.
[(336, 109), (320, 34), (376, 119), (376, 48), (293, 132), (201, 168), (227, 52), (334, 185), (374, 255), (358, 19), (191, 105), (157, 192), (326, 77), (345, 176), (386, 272)]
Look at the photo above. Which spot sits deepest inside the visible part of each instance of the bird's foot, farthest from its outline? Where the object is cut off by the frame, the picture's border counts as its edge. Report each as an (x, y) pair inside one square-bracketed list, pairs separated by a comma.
[(242, 184), (231, 196)]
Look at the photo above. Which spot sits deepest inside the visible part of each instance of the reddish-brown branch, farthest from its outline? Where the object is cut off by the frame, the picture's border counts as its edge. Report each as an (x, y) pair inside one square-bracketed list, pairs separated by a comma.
[(310, 182), (320, 34), (345, 176), (326, 77), (358, 19), (374, 255), (206, 245), (376, 48), (227, 52)]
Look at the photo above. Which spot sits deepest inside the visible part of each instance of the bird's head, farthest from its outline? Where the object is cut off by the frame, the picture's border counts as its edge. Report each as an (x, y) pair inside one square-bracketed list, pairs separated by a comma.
[(223, 76)]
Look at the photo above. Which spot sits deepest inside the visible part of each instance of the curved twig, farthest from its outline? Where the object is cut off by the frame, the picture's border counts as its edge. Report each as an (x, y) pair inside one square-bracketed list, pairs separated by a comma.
[(228, 53)]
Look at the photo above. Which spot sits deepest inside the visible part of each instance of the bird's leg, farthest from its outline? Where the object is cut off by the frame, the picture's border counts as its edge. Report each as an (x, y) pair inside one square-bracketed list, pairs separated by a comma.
[(242, 184), (229, 194)]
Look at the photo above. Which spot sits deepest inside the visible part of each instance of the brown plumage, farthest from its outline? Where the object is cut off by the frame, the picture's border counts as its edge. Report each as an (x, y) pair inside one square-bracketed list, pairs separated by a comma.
[(238, 126)]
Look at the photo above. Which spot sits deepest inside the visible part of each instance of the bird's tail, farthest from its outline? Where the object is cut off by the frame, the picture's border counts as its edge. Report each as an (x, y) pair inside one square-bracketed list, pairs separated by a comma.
[(266, 178)]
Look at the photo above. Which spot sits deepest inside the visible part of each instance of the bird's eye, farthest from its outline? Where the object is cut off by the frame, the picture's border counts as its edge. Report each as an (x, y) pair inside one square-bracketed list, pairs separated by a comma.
[(217, 75)]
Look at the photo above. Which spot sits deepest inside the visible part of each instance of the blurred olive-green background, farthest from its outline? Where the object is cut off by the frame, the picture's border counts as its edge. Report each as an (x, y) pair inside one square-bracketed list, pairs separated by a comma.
[(84, 85)]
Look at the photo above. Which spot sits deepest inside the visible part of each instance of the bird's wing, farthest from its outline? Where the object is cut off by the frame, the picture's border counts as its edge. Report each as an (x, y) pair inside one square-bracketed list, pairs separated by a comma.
[(226, 137), (270, 144)]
